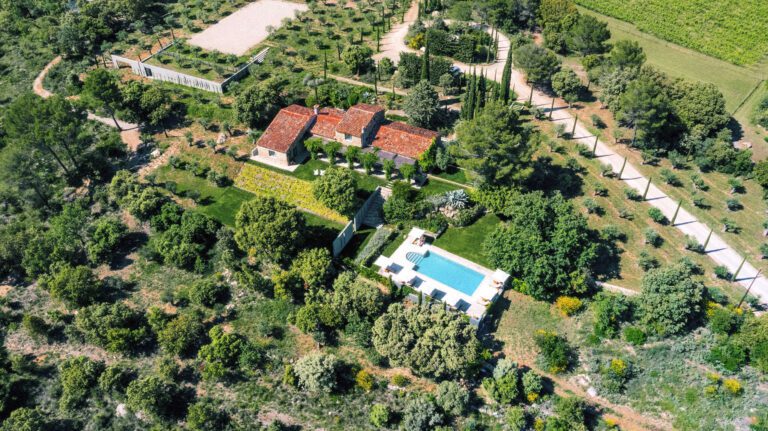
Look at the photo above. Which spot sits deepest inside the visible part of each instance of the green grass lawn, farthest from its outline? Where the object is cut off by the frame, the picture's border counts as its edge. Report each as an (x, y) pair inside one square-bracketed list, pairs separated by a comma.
[(467, 242), (735, 82), (222, 203), (453, 174)]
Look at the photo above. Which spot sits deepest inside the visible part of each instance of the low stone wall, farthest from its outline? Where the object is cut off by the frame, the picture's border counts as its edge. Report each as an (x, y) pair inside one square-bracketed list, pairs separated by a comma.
[(346, 234)]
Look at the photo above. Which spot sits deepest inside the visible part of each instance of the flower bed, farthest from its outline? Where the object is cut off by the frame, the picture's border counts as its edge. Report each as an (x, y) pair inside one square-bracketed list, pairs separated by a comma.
[(267, 183)]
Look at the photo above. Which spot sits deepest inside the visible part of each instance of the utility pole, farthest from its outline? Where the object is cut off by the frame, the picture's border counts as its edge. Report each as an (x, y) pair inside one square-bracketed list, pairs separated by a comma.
[(594, 148), (530, 98)]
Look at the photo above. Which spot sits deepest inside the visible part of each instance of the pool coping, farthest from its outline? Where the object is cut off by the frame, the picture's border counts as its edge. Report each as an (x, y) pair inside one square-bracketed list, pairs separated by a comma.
[(401, 270)]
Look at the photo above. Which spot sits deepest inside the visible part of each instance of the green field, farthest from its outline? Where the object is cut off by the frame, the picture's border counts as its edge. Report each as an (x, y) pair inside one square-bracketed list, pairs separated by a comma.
[(732, 30), (735, 82)]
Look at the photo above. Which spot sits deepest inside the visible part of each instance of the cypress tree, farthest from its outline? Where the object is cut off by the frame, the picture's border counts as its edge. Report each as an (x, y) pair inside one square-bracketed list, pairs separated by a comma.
[(425, 62), (468, 108), (325, 65), (481, 92), (506, 77)]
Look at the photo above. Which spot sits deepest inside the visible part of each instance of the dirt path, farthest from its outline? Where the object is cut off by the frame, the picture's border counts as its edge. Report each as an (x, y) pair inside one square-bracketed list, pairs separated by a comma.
[(718, 250), (129, 132)]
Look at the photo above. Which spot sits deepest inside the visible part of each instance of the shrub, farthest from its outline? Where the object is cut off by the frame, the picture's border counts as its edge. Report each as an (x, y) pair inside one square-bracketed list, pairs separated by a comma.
[(722, 272), (634, 335), (150, 395), (669, 177), (609, 312), (692, 244), (652, 237), (764, 250), (380, 415), (35, 326), (532, 385), (400, 380), (728, 355), (733, 386), (452, 398), (700, 202), (208, 292), (729, 225), (317, 372), (568, 305), (421, 413), (615, 376), (723, 320), (632, 194), (591, 206), (646, 262), (656, 215), (601, 190), (515, 419), (364, 380), (733, 204), (555, 352)]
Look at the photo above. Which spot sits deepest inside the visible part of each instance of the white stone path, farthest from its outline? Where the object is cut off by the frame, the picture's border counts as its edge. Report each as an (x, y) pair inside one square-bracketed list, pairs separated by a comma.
[(717, 249)]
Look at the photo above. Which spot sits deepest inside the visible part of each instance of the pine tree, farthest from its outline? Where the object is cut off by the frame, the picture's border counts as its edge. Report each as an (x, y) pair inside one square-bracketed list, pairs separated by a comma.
[(506, 77)]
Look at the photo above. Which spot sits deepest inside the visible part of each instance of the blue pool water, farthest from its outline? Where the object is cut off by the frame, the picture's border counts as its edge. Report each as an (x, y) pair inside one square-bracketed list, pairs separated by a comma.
[(446, 271)]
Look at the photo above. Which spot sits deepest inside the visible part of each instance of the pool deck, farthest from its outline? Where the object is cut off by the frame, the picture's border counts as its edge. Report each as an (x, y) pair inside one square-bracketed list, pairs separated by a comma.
[(403, 273)]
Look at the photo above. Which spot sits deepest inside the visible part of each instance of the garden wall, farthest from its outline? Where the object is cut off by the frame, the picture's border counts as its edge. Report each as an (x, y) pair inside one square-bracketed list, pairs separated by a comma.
[(162, 74), (346, 234)]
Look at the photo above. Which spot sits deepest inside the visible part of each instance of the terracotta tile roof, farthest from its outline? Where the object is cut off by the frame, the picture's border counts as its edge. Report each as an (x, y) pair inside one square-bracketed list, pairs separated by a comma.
[(327, 121), (285, 128), (356, 118), (400, 138)]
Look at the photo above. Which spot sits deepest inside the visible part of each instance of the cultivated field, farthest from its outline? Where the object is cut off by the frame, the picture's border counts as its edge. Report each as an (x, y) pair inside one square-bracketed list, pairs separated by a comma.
[(239, 32), (732, 30)]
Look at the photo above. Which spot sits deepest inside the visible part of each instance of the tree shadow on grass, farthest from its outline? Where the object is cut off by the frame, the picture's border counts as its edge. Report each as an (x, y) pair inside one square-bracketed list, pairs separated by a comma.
[(549, 177)]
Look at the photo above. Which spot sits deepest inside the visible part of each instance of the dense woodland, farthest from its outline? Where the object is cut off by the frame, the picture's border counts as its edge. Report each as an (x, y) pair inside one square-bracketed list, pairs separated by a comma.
[(126, 306)]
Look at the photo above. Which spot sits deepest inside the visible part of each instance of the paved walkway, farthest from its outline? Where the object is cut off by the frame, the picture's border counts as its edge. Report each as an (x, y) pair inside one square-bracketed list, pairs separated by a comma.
[(717, 249), (129, 132)]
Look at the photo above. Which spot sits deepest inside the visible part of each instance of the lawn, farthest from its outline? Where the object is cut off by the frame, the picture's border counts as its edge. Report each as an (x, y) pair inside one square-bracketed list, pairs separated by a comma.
[(220, 203), (735, 82), (467, 242)]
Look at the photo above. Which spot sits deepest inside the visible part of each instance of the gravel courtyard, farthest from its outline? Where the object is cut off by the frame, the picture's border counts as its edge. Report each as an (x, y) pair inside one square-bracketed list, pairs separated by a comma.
[(239, 32)]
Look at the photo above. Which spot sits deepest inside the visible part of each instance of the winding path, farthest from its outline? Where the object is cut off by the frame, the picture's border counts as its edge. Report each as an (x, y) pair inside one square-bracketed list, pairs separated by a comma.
[(129, 132), (717, 248)]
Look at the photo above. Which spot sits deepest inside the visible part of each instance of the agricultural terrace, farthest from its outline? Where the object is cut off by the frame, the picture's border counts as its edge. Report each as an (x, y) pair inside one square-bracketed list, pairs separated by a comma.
[(267, 183), (185, 58), (249, 26), (732, 30)]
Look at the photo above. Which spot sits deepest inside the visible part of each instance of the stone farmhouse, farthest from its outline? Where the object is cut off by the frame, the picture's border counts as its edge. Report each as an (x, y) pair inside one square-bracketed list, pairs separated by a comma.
[(362, 125)]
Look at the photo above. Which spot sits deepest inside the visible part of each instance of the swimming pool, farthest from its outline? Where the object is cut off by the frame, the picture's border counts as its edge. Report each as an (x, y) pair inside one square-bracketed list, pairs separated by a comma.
[(446, 271)]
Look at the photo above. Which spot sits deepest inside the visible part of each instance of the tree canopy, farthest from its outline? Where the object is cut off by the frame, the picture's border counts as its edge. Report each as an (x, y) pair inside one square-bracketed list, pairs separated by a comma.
[(431, 342), (494, 146), (538, 63), (545, 244), (269, 228), (337, 189), (671, 301), (422, 105)]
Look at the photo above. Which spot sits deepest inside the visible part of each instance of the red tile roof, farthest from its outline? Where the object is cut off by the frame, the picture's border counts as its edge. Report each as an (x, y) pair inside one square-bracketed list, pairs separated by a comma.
[(356, 118), (285, 128), (405, 140), (327, 121)]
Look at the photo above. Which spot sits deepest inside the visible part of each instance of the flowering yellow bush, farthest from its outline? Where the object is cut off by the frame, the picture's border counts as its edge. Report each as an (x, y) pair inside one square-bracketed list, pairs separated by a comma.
[(364, 380), (568, 305), (267, 183), (733, 386), (532, 397)]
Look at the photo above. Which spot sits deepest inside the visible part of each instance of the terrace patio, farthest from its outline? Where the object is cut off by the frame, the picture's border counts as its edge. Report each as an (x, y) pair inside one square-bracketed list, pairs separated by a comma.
[(458, 282)]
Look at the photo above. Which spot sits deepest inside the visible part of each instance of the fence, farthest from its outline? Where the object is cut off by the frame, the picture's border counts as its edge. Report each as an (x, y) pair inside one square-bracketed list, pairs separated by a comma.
[(163, 74), (346, 234)]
